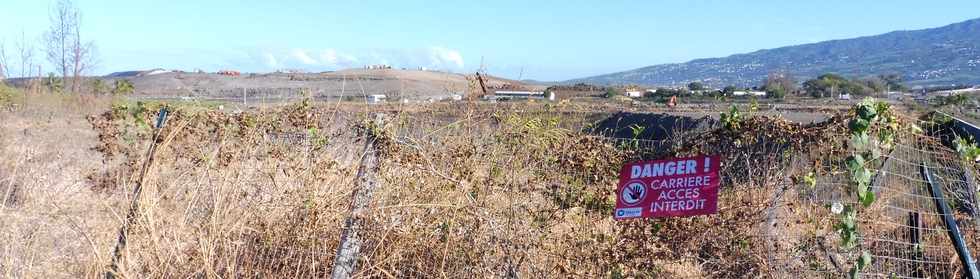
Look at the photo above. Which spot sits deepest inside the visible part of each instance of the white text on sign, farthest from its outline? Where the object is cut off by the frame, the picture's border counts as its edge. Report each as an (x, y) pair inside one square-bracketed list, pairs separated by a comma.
[(665, 168)]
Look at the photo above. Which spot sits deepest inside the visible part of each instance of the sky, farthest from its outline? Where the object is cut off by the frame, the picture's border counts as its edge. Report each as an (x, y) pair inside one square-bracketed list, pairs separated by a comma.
[(542, 40)]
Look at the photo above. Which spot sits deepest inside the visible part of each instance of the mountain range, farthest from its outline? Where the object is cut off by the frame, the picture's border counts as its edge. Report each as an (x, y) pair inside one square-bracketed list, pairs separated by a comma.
[(929, 57)]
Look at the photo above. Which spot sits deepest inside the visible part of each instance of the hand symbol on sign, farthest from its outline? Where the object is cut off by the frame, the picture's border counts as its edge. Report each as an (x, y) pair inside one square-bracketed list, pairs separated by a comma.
[(633, 193), (637, 192)]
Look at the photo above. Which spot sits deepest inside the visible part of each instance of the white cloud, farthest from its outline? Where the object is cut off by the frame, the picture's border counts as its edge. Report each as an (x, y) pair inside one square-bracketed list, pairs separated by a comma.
[(271, 61), (332, 59), (442, 57), (329, 56), (347, 58), (304, 58)]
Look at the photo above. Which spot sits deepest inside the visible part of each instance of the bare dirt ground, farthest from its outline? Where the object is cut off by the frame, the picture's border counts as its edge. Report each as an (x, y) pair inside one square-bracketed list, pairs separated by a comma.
[(403, 84)]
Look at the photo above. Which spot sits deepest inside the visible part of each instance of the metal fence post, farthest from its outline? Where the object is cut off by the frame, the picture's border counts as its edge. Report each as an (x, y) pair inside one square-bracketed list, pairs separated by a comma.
[(345, 263), (969, 266), (915, 238)]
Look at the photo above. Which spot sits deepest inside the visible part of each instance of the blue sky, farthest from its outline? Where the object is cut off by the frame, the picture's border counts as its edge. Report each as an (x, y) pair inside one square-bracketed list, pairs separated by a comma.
[(548, 40)]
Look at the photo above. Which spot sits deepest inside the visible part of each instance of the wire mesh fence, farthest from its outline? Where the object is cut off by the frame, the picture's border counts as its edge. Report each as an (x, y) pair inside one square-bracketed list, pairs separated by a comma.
[(902, 230), (529, 193)]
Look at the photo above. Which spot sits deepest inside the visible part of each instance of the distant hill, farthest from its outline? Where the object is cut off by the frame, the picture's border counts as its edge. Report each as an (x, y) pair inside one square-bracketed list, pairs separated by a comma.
[(936, 56), (409, 85)]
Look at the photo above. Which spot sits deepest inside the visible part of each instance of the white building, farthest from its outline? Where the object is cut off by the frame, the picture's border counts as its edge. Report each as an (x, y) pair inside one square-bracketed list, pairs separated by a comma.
[(634, 94), (514, 95), (376, 99), (947, 93), (749, 93)]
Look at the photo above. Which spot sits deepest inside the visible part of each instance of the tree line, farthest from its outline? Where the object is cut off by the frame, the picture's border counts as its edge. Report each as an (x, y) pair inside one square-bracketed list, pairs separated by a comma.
[(778, 85), (833, 85)]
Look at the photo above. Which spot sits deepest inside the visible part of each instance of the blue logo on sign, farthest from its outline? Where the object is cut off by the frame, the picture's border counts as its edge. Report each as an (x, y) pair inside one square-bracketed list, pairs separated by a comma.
[(629, 212)]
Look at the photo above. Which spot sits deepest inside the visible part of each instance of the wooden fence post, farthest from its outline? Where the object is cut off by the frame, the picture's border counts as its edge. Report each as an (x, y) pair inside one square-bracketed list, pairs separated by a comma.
[(345, 263), (134, 204)]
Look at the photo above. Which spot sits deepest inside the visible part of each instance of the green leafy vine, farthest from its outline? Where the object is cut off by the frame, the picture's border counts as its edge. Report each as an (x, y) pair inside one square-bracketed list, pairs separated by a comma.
[(967, 149), (866, 150), (732, 120)]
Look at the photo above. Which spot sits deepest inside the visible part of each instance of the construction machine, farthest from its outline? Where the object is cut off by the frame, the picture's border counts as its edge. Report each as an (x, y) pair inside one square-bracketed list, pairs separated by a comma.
[(478, 87)]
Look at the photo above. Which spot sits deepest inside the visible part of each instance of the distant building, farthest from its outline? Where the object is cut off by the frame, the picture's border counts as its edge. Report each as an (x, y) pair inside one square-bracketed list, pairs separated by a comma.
[(229, 73), (519, 95), (634, 93), (376, 99), (291, 71), (450, 97), (749, 93), (947, 93)]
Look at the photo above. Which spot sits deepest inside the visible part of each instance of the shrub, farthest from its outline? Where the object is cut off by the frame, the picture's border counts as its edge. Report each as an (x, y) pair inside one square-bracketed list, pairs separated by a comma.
[(54, 83), (775, 92), (732, 120), (123, 87), (695, 86), (99, 86), (612, 92), (9, 95), (729, 91)]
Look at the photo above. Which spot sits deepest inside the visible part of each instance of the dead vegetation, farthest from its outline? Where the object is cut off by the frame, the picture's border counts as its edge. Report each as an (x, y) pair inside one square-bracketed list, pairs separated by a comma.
[(512, 190)]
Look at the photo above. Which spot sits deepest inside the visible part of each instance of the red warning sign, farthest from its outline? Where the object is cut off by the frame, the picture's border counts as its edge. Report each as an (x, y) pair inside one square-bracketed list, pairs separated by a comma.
[(668, 188)]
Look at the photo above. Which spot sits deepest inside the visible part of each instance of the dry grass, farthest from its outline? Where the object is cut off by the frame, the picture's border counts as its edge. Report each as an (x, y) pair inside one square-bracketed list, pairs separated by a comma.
[(512, 190), (501, 192), (53, 224)]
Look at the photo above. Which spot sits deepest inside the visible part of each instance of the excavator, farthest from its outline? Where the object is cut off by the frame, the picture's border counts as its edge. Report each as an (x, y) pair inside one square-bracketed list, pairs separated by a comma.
[(476, 95), (480, 85)]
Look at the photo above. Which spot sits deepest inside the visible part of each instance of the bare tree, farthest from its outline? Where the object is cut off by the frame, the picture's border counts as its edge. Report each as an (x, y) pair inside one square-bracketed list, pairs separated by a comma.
[(65, 48), (82, 58), (780, 80), (4, 68), (57, 37), (26, 51)]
